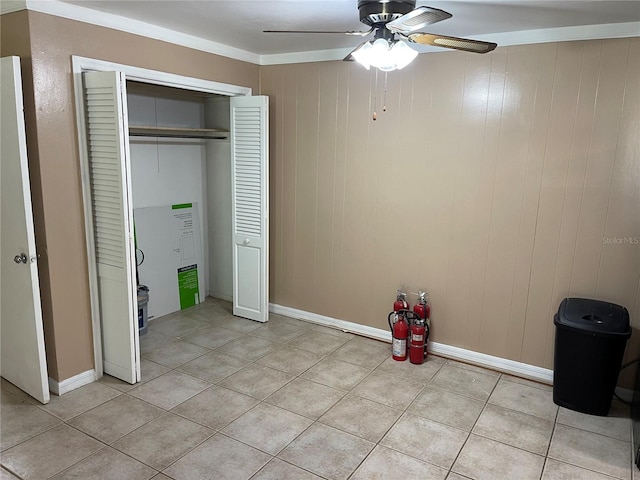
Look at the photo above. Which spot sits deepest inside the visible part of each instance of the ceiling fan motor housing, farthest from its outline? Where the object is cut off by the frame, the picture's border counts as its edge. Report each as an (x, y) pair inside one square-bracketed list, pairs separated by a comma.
[(377, 12)]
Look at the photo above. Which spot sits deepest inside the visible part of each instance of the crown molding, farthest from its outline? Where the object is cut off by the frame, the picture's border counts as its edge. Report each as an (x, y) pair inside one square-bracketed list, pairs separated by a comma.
[(87, 15), (116, 22), (305, 57), (10, 6), (524, 37), (565, 34)]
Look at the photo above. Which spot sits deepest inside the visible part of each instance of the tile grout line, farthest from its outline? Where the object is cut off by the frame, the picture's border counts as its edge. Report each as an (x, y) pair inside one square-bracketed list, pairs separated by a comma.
[(473, 426)]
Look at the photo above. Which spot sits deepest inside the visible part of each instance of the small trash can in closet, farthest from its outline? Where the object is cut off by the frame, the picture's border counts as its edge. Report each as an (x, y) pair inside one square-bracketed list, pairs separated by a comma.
[(591, 336), (143, 304)]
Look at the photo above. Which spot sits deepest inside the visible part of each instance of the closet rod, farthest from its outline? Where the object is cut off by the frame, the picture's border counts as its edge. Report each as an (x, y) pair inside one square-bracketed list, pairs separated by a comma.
[(177, 132), (172, 135)]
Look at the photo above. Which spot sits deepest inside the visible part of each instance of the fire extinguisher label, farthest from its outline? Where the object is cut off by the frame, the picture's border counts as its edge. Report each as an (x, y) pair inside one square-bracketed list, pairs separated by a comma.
[(399, 347), (417, 338)]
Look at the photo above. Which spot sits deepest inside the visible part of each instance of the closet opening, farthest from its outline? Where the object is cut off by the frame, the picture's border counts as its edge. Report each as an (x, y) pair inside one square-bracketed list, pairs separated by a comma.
[(180, 178), (175, 189)]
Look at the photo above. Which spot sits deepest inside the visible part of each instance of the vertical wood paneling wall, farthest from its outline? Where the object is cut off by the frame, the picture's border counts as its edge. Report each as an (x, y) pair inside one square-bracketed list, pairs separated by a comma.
[(499, 183)]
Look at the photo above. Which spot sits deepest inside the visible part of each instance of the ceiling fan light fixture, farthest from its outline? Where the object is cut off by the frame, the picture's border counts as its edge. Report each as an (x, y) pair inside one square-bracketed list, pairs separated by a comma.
[(381, 56), (403, 54), (384, 56), (362, 55)]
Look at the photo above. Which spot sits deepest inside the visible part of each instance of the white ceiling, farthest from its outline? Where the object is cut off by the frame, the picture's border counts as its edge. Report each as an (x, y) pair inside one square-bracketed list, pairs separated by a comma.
[(239, 23)]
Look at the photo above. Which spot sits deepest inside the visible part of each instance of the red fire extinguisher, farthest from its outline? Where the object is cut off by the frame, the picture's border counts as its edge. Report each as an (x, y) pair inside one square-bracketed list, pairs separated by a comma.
[(399, 333), (399, 326), (419, 330), (422, 307), (401, 301)]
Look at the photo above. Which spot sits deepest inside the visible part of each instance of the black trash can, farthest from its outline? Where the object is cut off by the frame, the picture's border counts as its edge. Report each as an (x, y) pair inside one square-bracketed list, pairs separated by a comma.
[(590, 340)]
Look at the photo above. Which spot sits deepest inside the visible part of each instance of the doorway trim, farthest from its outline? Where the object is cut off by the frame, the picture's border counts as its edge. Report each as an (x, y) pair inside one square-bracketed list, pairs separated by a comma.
[(142, 75)]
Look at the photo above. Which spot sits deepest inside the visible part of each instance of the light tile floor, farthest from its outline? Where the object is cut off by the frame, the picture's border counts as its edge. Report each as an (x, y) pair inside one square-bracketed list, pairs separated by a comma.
[(227, 398)]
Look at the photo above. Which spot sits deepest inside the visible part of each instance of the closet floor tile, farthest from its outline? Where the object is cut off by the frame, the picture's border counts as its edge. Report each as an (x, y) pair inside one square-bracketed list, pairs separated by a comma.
[(174, 353), (176, 326)]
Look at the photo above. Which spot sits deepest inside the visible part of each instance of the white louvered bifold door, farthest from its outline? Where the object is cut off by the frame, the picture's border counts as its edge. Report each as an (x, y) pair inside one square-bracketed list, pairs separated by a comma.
[(250, 171), (110, 177)]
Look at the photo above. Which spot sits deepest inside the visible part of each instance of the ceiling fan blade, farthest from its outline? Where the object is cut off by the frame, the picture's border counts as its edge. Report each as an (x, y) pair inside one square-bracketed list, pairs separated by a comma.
[(418, 19), (354, 33), (464, 44)]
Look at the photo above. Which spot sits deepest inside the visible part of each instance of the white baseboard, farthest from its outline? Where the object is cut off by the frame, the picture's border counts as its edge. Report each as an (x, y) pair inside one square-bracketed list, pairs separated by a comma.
[(221, 296), (499, 364), (77, 381)]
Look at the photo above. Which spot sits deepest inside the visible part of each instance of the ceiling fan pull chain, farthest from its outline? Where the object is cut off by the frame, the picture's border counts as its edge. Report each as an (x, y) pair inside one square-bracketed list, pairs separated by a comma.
[(375, 98), (384, 98)]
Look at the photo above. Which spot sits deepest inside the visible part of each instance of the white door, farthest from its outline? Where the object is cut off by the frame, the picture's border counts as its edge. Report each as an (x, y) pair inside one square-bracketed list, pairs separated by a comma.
[(112, 215), (250, 192), (22, 359)]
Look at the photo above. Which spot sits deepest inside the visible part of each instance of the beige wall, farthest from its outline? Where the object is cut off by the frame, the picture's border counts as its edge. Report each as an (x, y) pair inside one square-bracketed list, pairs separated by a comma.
[(55, 164), (14, 40), (490, 181)]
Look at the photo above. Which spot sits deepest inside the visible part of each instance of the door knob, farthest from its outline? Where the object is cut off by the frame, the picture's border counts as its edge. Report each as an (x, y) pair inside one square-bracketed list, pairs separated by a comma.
[(246, 241), (22, 258)]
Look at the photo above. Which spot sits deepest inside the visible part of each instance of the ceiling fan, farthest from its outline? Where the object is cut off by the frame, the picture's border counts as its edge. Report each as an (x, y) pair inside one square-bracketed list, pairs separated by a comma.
[(401, 18)]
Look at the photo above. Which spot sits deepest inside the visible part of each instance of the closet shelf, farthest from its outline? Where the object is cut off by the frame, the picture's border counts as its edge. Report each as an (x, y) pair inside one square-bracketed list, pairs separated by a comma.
[(176, 132)]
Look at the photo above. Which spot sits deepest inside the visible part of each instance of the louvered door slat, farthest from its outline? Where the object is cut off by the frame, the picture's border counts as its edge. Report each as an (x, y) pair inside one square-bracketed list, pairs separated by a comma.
[(104, 130)]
